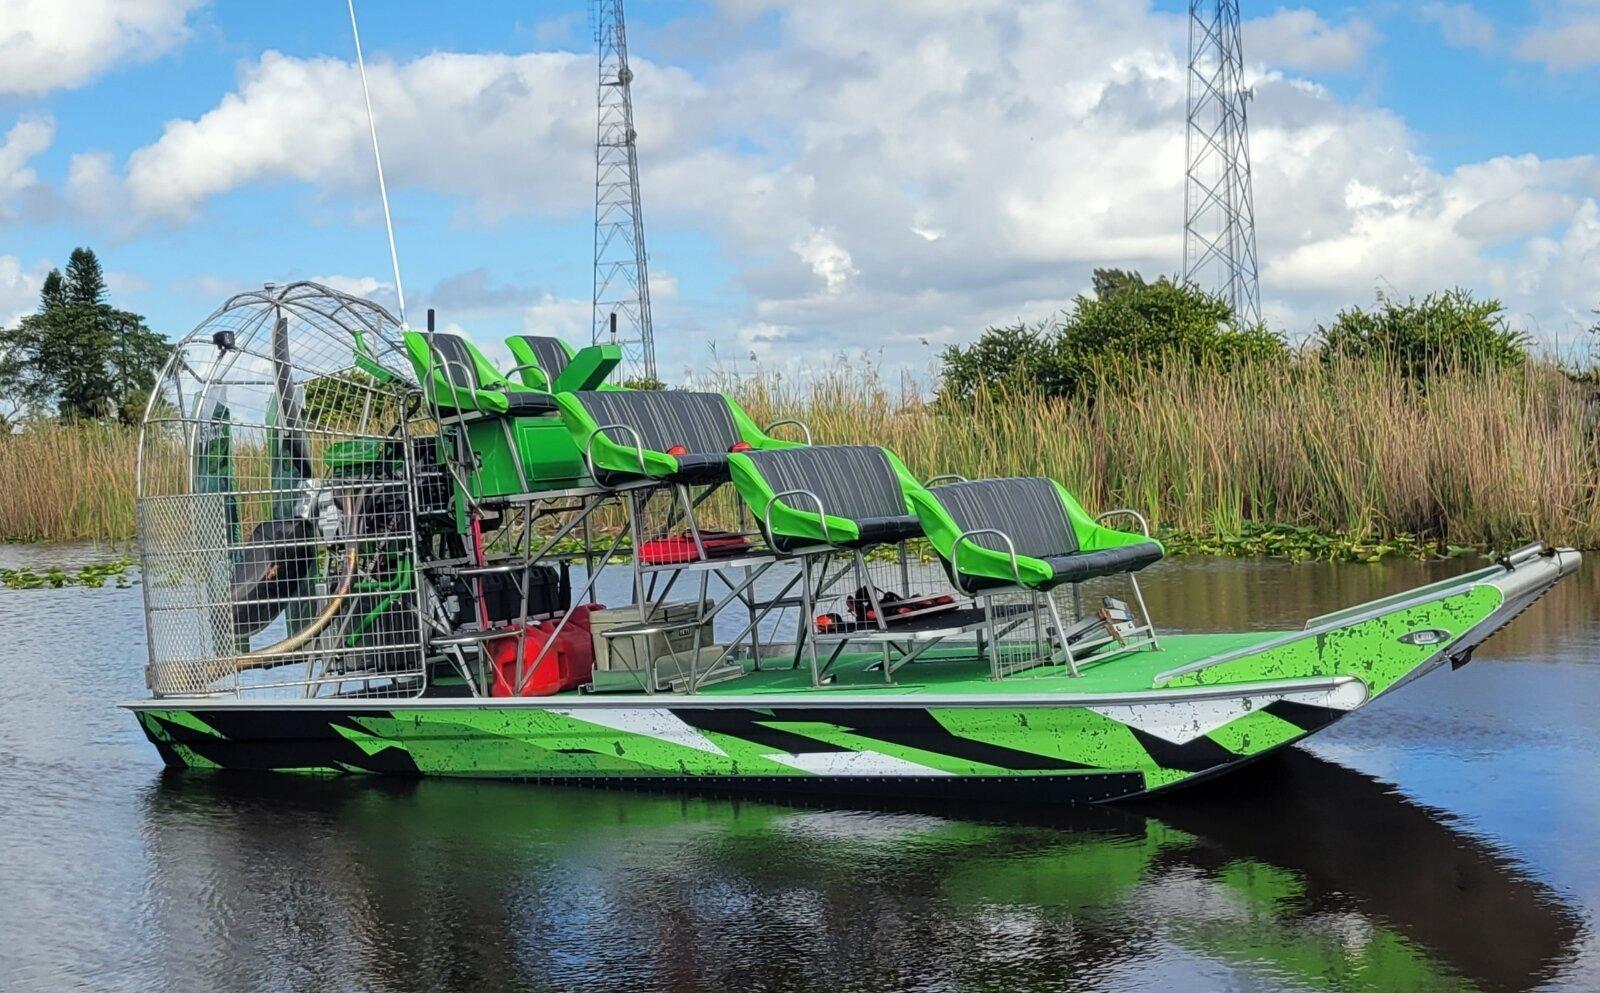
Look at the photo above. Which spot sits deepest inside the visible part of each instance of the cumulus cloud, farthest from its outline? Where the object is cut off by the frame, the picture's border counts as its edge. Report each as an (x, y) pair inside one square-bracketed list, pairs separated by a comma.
[(513, 133), (26, 139), (19, 288), (1566, 37), (1461, 25), (1301, 39), (900, 174), (563, 317), (827, 260), (51, 44)]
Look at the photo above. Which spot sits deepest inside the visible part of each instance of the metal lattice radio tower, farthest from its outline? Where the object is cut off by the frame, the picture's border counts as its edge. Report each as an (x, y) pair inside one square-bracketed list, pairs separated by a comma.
[(1219, 226), (621, 266)]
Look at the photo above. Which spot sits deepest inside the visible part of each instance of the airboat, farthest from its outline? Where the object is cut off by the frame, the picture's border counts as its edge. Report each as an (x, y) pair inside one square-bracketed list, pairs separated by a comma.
[(371, 549)]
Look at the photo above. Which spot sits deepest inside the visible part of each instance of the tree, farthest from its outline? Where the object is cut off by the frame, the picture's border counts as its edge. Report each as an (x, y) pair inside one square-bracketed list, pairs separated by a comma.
[(54, 291), (78, 353), (1447, 330), (137, 354), (1128, 319), (85, 282), (13, 389)]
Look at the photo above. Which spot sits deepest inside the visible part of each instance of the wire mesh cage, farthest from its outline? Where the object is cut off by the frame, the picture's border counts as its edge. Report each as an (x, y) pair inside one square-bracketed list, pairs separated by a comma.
[(277, 518), (1055, 632)]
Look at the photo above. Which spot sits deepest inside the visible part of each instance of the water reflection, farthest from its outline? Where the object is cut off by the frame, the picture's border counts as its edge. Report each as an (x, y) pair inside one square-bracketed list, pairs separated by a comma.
[(1298, 873)]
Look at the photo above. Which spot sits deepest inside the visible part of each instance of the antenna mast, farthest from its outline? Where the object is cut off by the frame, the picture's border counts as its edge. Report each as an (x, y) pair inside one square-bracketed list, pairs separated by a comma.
[(1219, 224), (377, 158), (621, 266)]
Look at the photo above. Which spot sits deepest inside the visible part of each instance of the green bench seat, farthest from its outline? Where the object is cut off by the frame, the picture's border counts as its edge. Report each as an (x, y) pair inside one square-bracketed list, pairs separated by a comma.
[(1026, 533), (826, 496), (670, 436)]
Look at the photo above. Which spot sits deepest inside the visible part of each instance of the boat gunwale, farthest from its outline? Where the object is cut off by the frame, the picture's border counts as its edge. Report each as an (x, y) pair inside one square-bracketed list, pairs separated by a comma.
[(795, 700)]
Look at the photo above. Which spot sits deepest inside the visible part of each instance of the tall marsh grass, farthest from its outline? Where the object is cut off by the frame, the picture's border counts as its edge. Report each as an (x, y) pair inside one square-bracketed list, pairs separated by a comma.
[(68, 482), (1348, 447), (1483, 459)]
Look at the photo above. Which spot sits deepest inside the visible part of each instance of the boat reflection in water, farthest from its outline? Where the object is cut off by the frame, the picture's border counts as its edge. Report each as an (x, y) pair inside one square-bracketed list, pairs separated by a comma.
[(1297, 873)]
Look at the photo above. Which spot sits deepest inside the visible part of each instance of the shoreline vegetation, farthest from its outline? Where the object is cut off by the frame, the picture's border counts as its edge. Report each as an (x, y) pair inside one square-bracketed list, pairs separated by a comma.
[(1345, 459)]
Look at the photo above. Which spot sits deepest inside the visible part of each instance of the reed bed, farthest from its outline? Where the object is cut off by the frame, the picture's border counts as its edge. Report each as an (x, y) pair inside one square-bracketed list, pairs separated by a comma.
[(68, 483), (1349, 448)]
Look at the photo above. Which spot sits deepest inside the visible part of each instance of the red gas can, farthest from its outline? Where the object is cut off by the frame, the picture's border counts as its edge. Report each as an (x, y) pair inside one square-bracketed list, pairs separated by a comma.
[(566, 665)]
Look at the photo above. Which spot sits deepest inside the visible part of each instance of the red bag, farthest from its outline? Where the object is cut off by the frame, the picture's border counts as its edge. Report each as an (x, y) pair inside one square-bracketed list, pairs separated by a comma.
[(678, 548)]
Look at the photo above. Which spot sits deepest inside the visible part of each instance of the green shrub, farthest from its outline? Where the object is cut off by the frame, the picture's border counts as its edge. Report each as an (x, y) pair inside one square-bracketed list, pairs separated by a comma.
[(1126, 318), (1443, 331)]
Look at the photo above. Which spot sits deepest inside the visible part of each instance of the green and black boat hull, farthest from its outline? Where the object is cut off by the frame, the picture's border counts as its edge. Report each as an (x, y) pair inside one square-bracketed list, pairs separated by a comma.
[(1146, 721)]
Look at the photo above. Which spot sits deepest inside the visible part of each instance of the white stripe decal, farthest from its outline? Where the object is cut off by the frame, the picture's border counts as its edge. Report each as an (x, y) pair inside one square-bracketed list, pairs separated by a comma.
[(1182, 721), (854, 764), (652, 723)]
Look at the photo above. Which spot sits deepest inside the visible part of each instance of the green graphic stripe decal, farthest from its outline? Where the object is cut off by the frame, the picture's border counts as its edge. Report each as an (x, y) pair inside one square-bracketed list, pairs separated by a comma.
[(1371, 651), (788, 743)]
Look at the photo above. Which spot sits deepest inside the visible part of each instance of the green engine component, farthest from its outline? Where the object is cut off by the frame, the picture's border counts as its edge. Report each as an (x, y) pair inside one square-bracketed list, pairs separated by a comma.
[(362, 458), (549, 457)]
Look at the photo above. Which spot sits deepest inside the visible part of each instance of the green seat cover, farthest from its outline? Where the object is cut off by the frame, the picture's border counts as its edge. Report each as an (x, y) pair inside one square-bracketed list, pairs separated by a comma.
[(550, 364), (859, 489), (1055, 540), (516, 426), (540, 359), (705, 427), (458, 378)]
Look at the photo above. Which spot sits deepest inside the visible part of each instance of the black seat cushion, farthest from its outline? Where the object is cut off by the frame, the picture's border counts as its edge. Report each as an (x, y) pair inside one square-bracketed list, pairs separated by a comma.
[(700, 467), (1079, 566), (888, 530), (518, 405), (527, 403)]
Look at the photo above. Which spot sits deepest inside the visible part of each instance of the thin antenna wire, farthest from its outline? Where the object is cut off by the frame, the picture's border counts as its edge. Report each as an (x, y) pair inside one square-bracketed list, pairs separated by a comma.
[(377, 157)]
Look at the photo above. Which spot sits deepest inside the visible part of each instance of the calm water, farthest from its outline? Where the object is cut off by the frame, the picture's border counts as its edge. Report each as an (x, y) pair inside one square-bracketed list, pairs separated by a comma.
[(1445, 838)]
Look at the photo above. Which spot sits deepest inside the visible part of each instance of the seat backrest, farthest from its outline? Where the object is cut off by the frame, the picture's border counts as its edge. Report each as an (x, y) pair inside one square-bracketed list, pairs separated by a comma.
[(856, 482), (1028, 509), (550, 354), (702, 423), (458, 362)]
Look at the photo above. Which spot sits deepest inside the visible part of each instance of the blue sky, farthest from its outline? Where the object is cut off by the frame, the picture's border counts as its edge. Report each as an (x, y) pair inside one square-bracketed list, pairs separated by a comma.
[(819, 178)]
